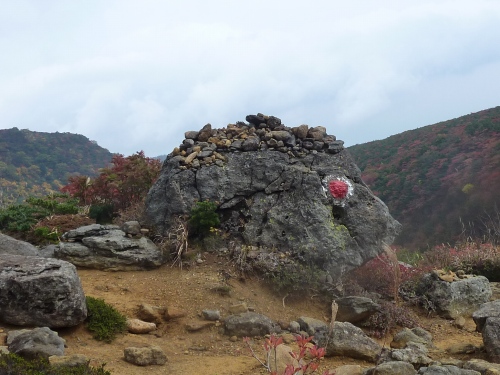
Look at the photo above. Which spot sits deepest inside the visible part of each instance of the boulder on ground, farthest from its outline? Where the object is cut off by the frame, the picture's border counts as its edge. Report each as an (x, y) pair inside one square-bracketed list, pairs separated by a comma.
[(393, 368), (491, 338), (406, 335), (446, 370), (37, 291), (153, 355), (9, 245), (302, 197), (485, 311), (345, 339), (250, 324), (354, 309), (38, 342), (107, 247), (456, 298)]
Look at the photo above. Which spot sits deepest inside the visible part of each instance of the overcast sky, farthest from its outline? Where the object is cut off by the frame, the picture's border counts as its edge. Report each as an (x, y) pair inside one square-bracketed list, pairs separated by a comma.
[(135, 75)]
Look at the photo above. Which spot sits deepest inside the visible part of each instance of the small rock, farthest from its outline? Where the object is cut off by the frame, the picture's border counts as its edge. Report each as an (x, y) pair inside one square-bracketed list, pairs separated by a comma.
[(172, 313), (139, 326), (69, 361), (212, 315), (238, 308), (197, 326), (153, 355)]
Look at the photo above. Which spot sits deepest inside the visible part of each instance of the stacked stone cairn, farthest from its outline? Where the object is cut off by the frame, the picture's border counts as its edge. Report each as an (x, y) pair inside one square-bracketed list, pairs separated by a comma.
[(207, 146)]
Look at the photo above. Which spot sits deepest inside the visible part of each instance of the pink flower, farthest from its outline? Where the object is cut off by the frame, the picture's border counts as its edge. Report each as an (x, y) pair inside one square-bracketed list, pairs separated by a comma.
[(338, 189)]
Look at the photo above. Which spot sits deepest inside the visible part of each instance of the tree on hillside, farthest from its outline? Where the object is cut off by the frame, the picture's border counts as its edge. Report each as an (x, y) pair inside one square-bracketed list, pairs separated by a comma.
[(125, 182)]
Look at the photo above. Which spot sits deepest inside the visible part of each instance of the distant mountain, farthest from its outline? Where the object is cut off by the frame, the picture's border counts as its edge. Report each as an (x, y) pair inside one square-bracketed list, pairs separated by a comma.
[(35, 163), (439, 180)]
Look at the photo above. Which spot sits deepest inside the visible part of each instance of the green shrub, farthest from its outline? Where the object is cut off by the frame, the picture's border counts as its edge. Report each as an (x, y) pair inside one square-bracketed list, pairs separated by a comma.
[(12, 364), (46, 234), (203, 217), (103, 213), (22, 217), (103, 320)]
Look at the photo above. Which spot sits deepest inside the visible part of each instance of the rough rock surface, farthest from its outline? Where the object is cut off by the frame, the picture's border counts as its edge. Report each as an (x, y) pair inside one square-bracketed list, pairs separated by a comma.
[(414, 353), (456, 298), (348, 340), (491, 338), (249, 324), (355, 309), (393, 368), (152, 355), (485, 311), (446, 370), (107, 247), (406, 335), (291, 189), (41, 342), (40, 292), (9, 245)]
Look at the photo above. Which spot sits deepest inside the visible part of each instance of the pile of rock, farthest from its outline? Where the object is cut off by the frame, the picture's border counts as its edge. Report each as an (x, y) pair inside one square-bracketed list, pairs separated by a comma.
[(207, 146)]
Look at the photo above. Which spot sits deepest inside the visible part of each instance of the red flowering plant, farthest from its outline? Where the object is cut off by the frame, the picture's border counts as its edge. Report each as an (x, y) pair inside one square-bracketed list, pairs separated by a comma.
[(306, 350)]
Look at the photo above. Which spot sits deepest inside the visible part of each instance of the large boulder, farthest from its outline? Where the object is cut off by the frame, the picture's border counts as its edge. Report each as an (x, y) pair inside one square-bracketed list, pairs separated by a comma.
[(37, 291), (491, 338), (302, 197), (455, 298), (9, 245), (107, 247)]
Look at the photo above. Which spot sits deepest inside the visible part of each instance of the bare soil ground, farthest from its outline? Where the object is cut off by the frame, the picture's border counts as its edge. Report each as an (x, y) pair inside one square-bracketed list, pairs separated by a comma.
[(209, 352)]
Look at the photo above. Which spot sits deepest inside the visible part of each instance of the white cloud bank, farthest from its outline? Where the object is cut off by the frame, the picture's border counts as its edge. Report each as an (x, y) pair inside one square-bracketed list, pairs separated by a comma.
[(135, 75)]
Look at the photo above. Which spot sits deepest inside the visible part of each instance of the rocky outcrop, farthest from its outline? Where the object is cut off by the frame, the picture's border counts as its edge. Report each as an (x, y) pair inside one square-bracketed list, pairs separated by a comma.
[(9, 245), (455, 298), (295, 190), (107, 247), (40, 292), (491, 338)]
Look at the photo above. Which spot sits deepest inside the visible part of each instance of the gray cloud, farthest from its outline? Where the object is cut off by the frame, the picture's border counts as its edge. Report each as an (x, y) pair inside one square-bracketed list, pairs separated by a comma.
[(136, 75)]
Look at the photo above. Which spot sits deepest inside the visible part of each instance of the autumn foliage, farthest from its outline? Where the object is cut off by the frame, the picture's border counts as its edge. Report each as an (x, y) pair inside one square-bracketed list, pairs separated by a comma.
[(125, 182)]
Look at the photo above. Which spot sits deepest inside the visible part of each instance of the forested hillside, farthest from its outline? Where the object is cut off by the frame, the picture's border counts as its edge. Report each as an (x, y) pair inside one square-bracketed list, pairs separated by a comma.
[(35, 163), (439, 181)]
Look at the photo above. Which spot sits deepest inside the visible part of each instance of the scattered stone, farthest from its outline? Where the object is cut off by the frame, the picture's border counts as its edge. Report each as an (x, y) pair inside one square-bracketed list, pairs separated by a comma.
[(294, 327), (250, 324), (446, 370), (197, 326), (485, 311), (406, 335), (150, 313), (312, 325), (38, 342), (238, 308), (393, 368), (462, 348), (459, 322), (482, 366), (414, 353), (132, 228), (456, 298), (288, 338), (212, 315), (139, 326), (281, 358), (354, 309), (152, 355), (172, 313), (37, 291)]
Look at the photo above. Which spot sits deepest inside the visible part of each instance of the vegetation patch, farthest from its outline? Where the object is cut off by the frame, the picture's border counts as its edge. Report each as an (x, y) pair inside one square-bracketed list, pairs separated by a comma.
[(103, 320), (12, 364)]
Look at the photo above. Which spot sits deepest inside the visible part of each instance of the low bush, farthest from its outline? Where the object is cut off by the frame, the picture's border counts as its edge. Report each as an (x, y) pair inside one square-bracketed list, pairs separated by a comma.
[(12, 364), (390, 316), (103, 320), (203, 217)]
